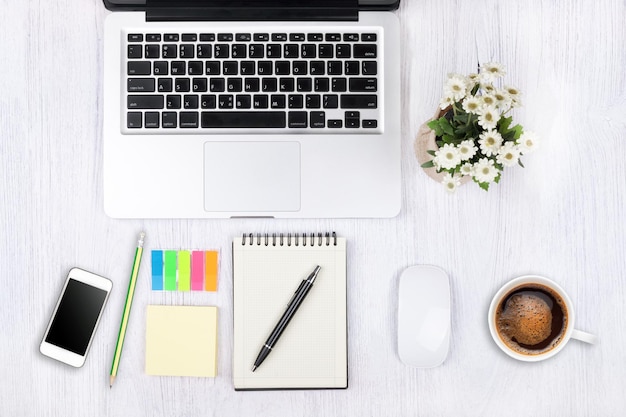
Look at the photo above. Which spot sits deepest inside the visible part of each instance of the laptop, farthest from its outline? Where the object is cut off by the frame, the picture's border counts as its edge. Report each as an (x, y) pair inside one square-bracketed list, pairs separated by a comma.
[(252, 108)]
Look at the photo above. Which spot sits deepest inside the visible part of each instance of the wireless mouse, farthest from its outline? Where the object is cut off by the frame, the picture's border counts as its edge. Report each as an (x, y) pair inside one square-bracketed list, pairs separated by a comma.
[(423, 316)]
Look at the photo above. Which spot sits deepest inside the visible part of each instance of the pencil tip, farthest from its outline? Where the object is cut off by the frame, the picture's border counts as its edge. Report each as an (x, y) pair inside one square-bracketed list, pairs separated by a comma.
[(254, 368)]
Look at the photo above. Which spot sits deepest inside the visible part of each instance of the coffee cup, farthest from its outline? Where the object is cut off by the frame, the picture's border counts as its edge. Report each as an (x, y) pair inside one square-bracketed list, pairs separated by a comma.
[(531, 318)]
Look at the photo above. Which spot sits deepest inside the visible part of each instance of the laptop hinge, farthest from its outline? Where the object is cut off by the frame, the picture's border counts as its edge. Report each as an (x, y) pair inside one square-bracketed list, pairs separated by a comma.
[(252, 10)]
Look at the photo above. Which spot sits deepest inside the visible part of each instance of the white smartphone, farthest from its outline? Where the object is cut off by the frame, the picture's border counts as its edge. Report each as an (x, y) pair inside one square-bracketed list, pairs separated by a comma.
[(75, 317)]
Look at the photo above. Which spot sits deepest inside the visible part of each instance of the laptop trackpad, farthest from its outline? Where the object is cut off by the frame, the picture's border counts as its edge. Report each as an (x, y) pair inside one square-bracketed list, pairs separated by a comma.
[(251, 176)]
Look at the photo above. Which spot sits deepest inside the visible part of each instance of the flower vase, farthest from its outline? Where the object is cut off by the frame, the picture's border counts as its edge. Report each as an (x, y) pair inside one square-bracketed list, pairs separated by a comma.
[(425, 141)]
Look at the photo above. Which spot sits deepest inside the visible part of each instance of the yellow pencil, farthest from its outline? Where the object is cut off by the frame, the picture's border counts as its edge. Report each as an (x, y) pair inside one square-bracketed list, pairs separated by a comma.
[(127, 305)]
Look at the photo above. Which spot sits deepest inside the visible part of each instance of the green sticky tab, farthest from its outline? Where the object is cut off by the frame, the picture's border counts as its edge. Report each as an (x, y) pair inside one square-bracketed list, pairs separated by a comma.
[(170, 270), (184, 270)]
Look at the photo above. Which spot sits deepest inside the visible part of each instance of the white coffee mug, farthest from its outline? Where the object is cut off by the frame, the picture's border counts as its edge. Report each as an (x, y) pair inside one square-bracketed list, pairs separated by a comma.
[(568, 334)]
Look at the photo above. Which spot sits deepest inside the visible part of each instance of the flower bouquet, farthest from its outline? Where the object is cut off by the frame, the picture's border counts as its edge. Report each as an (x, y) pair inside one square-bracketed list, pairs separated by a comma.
[(473, 131)]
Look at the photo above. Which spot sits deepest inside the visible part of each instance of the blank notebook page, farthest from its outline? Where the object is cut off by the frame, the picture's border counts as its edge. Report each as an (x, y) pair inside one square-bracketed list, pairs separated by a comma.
[(312, 351)]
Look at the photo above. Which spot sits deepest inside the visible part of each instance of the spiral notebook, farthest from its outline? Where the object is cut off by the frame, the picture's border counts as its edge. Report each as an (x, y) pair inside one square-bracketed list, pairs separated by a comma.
[(312, 351)]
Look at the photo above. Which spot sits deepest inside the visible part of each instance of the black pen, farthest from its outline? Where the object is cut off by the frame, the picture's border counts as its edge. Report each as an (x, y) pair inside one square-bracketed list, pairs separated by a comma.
[(292, 307)]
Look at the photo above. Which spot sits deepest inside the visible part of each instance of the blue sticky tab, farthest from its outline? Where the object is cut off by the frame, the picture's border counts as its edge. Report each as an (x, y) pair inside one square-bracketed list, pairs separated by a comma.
[(157, 270)]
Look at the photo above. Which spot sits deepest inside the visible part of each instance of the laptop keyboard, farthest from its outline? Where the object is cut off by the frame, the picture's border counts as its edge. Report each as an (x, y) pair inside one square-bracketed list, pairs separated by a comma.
[(284, 82)]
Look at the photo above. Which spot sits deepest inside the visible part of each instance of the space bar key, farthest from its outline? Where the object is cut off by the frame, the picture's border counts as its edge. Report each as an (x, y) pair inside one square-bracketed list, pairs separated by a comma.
[(244, 119)]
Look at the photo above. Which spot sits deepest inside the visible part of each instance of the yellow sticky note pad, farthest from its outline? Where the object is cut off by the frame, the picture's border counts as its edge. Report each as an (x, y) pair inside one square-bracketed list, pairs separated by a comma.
[(181, 341)]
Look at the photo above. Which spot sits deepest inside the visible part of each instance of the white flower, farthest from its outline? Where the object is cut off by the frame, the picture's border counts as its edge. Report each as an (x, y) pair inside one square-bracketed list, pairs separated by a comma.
[(487, 87), (472, 105), (488, 100), (467, 169), (528, 142), (455, 87), (451, 183), (503, 100), (514, 92), (485, 171), (490, 142), (448, 157), (488, 117), (467, 150), (445, 102), (492, 70), (508, 155)]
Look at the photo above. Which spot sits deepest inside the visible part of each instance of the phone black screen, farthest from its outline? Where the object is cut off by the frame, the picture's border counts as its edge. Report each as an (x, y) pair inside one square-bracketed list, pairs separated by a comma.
[(76, 316)]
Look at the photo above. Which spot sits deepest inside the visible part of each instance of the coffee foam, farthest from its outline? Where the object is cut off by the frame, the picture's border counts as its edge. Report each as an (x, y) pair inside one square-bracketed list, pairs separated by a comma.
[(527, 318), (525, 321)]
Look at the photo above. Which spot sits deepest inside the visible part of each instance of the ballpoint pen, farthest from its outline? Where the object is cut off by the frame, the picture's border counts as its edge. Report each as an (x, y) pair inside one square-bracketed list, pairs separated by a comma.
[(292, 307)]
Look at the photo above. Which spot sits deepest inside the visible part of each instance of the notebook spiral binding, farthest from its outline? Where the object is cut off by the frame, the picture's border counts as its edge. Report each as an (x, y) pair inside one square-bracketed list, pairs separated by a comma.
[(290, 239)]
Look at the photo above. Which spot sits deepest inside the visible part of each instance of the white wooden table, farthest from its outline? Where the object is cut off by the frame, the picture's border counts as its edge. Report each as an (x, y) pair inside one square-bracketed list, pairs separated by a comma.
[(562, 217)]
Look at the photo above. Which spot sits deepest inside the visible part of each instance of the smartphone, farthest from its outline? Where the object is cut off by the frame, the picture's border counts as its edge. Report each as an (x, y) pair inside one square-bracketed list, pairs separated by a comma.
[(75, 317)]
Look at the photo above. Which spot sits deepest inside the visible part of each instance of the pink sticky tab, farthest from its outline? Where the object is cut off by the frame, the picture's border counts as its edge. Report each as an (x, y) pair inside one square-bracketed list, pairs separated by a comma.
[(197, 270)]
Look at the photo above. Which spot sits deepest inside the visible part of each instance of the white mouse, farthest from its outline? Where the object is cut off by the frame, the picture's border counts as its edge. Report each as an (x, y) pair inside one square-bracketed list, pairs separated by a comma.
[(423, 316)]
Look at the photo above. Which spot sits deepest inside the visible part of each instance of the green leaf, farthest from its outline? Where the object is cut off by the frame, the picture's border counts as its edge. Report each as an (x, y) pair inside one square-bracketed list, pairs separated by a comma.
[(509, 136), (484, 185), (497, 179), (518, 129), (446, 126), (448, 138), (430, 152), (519, 162), (503, 125), (434, 125), (428, 164)]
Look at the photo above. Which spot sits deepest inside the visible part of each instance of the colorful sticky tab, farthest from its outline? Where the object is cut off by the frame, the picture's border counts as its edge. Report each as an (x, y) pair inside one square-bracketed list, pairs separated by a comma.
[(157, 269), (197, 270), (210, 271), (170, 270), (184, 270)]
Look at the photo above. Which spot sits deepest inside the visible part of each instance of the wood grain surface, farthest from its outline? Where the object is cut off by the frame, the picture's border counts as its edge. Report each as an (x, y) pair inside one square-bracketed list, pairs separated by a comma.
[(561, 217)]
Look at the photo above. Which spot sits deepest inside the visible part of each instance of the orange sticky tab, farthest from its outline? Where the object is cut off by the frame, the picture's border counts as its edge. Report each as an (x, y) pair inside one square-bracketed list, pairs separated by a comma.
[(210, 270)]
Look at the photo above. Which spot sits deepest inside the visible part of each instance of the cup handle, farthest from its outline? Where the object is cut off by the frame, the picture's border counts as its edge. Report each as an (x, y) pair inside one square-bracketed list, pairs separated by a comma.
[(584, 336)]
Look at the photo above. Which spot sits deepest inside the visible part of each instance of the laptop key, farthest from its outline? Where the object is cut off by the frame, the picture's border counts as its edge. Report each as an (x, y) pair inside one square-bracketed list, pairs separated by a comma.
[(261, 37), (153, 51), (264, 68), (225, 37), (370, 124), (133, 120), (145, 101), (291, 50), (317, 68), (190, 37), (368, 37), (286, 84), (300, 67), (315, 37), (369, 68), (330, 101), (256, 50), (134, 51), (274, 50), (171, 37), (169, 51), (359, 101), (173, 102), (298, 119), (144, 85), (243, 101), (217, 85), (234, 85), (243, 37), (351, 68), (160, 68), (152, 119), (169, 119), (309, 51), (339, 84), (164, 85), (279, 37), (335, 123), (188, 119), (204, 50), (239, 51), (343, 51), (251, 85), (326, 50), (313, 101), (322, 84), (269, 85), (296, 101), (190, 102), (282, 68), (350, 37), (182, 85), (230, 68), (221, 50), (178, 67), (243, 119), (135, 37), (139, 68), (365, 50), (199, 85), (187, 50), (363, 84), (195, 67), (207, 37), (318, 119), (333, 37), (334, 67), (208, 101), (278, 101), (304, 84), (153, 37), (353, 119), (225, 101), (212, 68), (248, 67), (296, 37), (260, 101)]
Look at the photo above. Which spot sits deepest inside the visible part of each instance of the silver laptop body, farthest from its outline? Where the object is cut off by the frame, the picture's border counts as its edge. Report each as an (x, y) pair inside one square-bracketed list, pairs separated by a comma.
[(186, 137)]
